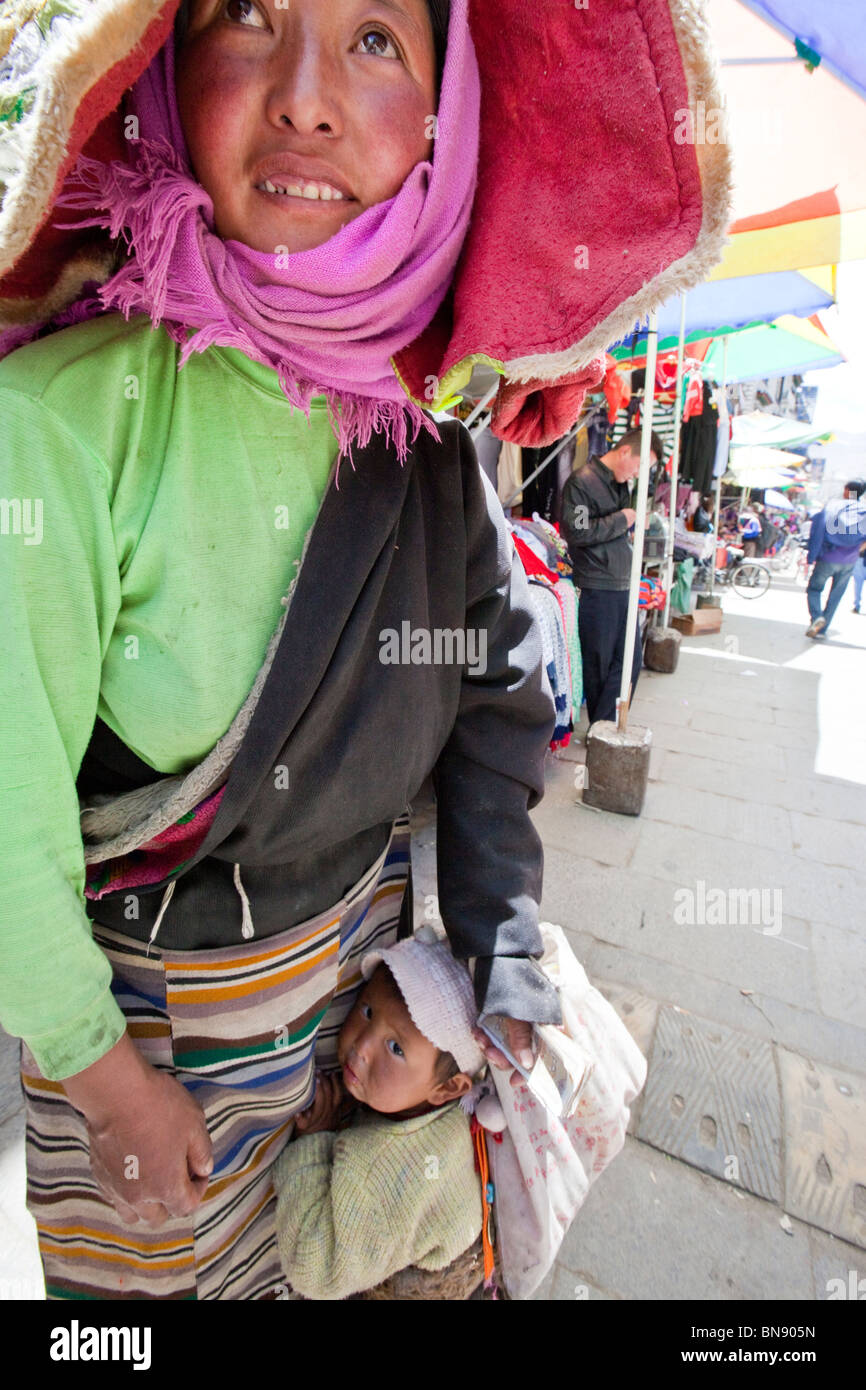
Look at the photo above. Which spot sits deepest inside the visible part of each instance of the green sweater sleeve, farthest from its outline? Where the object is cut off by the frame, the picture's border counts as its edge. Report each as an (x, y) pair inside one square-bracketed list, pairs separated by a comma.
[(60, 589), (354, 1208)]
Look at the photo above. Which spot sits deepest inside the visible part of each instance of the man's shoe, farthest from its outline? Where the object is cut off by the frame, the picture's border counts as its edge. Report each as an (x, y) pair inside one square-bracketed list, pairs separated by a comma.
[(816, 628)]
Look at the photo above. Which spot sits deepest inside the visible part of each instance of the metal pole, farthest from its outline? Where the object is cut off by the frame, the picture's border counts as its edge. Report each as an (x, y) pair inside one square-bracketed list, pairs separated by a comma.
[(724, 425), (640, 521), (481, 406), (675, 465), (541, 467)]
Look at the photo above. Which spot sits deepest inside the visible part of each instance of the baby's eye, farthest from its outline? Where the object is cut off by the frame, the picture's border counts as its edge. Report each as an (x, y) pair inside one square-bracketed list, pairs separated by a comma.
[(366, 1011), (245, 13), (378, 44), (394, 1048)]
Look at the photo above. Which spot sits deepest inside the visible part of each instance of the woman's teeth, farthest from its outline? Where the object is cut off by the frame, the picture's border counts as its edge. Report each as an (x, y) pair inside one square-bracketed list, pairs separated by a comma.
[(316, 192)]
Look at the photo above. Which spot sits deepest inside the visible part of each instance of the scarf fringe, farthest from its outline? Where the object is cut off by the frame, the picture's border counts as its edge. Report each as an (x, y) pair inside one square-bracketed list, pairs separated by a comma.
[(144, 204)]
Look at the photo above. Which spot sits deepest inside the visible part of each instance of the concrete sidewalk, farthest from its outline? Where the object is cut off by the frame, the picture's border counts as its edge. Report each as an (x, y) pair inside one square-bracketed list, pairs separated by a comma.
[(744, 1176)]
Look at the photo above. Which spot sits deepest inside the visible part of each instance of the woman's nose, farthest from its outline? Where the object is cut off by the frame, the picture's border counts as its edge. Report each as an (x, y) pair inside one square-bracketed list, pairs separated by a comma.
[(304, 88)]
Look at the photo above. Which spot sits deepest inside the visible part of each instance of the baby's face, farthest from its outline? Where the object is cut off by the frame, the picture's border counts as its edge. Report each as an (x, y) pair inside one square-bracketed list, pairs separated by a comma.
[(387, 1063), (329, 100)]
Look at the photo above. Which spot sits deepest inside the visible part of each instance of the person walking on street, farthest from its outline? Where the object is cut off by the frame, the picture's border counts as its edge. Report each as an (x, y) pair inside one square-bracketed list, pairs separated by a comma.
[(749, 526), (596, 520), (837, 533), (859, 576)]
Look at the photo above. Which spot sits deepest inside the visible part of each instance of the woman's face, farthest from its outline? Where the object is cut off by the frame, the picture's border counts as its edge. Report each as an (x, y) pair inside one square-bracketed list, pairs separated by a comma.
[(328, 101)]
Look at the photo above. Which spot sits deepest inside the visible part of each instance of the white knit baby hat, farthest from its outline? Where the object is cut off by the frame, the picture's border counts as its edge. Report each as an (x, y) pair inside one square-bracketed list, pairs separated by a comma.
[(438, 994)]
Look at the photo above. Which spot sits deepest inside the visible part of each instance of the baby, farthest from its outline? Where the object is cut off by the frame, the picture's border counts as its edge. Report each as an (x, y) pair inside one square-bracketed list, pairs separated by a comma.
[(398, 1187)]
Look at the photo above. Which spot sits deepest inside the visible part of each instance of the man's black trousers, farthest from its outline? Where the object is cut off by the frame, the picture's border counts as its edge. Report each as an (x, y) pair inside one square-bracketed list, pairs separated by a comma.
[(602, 617)]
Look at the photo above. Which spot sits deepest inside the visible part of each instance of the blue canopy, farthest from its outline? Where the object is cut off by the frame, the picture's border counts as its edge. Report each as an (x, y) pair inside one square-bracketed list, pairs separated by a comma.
[(834, 31), (729, 304)]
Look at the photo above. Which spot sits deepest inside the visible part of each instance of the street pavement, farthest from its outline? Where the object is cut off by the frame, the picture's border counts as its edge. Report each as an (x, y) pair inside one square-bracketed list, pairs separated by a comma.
[(727, 924)]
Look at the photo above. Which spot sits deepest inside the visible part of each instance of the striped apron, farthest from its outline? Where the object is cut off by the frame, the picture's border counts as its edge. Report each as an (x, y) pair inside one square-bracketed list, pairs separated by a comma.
[(243, 1029)]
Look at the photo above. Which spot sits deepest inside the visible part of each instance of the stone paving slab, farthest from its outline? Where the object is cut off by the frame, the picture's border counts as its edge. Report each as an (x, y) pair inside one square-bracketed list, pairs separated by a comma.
[(814, 796), (11, 1095), (840, 965), (828, 841), (635, 911), (712, 1099), (754, 1012), (731, 816), (825, 1146), (639, 1014), (685, 855), (838, 1269), (20, 1267), (654, 1228)]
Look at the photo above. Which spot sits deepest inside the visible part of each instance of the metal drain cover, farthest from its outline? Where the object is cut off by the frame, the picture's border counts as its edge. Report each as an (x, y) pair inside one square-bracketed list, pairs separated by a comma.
[(712, 1099), (825, 1146)]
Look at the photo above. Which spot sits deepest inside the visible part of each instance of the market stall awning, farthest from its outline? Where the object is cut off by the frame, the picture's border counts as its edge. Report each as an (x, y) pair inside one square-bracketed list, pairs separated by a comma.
[(757, 458), (772, 434), (769, 350), (832, 31), (733, 304), (797, 137)]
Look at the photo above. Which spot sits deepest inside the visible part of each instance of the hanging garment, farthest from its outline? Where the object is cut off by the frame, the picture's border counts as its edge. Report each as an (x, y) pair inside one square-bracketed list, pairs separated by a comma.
[(487, 447), (542, 494), (545, 542), (698, 445), (569, 599), (663, 423), (510, 475), (551, 620), (662, 495), (616, 389), (596, 436)]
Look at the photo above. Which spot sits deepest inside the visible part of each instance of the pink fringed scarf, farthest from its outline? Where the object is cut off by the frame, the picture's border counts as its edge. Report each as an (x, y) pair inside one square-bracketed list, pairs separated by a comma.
[(328, 320)]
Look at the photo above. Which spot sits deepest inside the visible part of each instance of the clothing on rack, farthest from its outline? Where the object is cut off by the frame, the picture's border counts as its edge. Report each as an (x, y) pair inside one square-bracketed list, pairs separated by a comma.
[(551, 621), (546, 542), (510, 475), (544, 494), (662, 495), (698, 445), (544, 556), (629, 419), (596, 435), (488, 447)]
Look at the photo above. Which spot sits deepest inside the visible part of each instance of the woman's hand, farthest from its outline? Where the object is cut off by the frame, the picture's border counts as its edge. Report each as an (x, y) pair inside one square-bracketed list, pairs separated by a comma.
[(518, 1035), (327, 1109), (150, 1152)]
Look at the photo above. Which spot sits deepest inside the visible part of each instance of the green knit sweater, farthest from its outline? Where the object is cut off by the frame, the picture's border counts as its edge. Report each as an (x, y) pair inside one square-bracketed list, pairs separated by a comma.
[(354, 1208)]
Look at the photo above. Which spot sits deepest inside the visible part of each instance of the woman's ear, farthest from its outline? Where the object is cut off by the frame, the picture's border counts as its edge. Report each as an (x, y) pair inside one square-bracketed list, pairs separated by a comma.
[(452, 1089)]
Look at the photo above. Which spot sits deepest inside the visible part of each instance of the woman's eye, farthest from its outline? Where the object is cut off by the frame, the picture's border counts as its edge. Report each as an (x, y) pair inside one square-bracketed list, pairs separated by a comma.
[(378, 44), (246, 13), (394, 1048)]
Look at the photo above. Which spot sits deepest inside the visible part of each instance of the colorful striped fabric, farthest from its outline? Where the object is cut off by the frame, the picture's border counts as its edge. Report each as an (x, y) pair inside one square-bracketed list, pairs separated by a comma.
[(166, 854), (243, 1029)]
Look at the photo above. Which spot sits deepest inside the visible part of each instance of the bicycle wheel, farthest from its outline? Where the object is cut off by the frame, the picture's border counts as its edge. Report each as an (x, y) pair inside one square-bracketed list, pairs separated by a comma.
[(750, 580)]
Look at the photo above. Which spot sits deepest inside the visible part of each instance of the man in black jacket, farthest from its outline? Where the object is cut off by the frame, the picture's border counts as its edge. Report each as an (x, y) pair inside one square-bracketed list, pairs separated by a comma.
[(596, 520)]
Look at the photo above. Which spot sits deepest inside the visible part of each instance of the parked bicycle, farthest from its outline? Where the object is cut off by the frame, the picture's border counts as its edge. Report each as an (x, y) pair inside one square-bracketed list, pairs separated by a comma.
[(748, 578)]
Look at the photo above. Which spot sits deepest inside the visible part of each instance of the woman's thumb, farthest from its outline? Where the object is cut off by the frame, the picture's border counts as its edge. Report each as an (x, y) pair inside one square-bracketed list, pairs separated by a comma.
[(200, 1154)]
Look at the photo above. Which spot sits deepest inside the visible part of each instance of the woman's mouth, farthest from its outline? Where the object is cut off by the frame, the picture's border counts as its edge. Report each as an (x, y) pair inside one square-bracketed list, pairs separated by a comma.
[(311, 191)]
